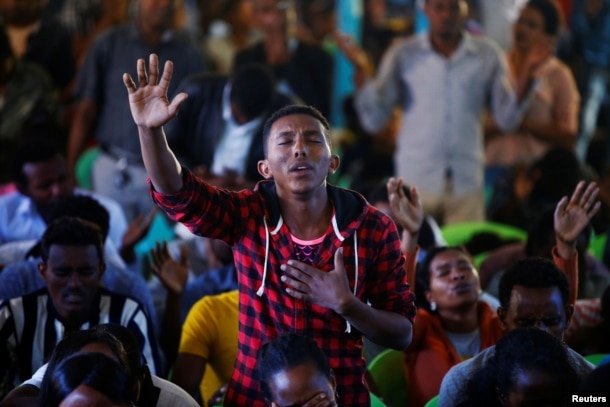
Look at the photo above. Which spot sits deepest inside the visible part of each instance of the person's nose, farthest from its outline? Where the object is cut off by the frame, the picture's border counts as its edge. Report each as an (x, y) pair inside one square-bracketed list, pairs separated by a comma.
[(300, 147), (74, 279), (457, 273)]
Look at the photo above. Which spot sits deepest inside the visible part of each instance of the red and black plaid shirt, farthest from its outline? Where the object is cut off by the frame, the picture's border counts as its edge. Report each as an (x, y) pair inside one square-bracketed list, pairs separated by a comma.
[(237, 218)]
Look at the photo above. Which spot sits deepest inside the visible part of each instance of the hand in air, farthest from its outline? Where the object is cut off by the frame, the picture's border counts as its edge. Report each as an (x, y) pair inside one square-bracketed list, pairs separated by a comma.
[(409, 213), (148, 101), (572, 216)]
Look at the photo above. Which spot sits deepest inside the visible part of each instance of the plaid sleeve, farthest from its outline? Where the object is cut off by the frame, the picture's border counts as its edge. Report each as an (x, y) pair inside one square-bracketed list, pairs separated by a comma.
[(204, 209), (388, 288)]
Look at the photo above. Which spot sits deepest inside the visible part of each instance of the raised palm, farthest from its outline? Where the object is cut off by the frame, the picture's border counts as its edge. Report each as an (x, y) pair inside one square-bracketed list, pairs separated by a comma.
[(149, 104), (572, 216)]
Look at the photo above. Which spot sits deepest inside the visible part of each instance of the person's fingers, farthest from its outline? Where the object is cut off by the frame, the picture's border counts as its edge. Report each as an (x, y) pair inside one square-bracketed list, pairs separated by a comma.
[(129, 83), (176, 103), (561, 206), (415, 196), (153, 67), (166, 77), (184, 255), (141, 69)]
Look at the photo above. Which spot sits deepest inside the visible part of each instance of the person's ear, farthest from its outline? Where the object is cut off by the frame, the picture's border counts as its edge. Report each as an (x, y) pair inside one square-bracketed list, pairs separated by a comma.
[(264, 170), (501, 312), (334, 164), (429, 297), (42, 270)]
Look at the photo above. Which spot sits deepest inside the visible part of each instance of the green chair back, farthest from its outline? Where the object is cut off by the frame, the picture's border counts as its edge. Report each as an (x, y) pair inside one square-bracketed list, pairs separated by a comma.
[(460, 233), (376, 401), (84, 166), (596, 358), (387, 371), (597, 244), (433, 402)]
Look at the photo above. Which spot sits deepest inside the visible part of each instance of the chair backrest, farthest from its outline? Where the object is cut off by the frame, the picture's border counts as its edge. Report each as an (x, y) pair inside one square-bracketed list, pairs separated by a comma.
[(433, 402), (387, 371), (460, 233), (376, 401), (596, 358)]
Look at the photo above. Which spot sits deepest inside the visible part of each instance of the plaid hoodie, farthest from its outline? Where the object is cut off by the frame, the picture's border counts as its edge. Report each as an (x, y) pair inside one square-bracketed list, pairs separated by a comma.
[(250, 221)]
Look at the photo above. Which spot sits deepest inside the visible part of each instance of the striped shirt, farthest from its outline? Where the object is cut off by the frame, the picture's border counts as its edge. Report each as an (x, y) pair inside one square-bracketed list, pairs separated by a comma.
[(30, 328)]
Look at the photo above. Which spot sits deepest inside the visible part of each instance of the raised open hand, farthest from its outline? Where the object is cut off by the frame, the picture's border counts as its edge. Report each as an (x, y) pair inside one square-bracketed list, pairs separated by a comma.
[(409, 213), (572, 216), (148, 101), (172, 274)]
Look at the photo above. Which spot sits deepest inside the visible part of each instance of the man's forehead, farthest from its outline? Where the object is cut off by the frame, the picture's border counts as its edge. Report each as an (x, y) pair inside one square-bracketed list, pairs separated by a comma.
[(59, 252), (296, 122), (523, 297)]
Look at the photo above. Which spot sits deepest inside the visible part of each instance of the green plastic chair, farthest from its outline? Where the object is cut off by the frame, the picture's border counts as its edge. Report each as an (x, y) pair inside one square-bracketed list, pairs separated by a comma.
[(596, 358), (433, 402), (84, 166), (460, 233), (376, 401), (597, 244), (387, 372)]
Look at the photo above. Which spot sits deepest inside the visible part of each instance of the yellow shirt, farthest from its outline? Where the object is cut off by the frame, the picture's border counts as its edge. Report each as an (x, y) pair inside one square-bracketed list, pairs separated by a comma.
[(210, 331)]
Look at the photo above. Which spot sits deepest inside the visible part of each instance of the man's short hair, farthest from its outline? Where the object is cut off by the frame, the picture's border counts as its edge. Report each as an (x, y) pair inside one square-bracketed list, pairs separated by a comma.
[(39, 147), (285, 352), (292, 110), (533, 272), (69, 231), (83, 207), (252, 89)]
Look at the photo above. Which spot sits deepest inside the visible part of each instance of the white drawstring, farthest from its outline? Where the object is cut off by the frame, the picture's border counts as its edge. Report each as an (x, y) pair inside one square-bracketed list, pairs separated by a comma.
[(348, 327), (261, 289)]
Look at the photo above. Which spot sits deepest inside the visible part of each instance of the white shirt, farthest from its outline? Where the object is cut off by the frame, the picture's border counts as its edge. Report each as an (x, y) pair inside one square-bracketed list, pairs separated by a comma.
[(442, 100), (232, 150)]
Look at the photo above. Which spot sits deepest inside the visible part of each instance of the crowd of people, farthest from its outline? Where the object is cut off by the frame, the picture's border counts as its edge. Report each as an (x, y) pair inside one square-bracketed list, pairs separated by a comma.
[(300, 251)]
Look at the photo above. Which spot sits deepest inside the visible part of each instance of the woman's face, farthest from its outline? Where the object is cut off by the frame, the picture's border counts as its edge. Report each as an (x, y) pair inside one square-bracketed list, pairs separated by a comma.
[(536, 387), (454, 282), (529, 29)]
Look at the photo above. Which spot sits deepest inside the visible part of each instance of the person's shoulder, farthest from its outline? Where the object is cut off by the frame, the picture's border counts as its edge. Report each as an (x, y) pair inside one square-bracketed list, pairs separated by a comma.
[(171, 395), (10, 198), (579, 363), (484, 46)]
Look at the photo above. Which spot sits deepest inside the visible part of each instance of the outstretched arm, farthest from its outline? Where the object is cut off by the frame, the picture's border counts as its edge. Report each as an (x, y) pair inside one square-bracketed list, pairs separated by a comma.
[(151, 109), (409, 214), (571, 217)]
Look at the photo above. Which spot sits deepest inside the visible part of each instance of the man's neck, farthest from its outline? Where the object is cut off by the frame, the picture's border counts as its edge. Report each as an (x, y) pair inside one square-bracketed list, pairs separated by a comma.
[(307, 220), (445, 45), (461, 321), (151, 35)]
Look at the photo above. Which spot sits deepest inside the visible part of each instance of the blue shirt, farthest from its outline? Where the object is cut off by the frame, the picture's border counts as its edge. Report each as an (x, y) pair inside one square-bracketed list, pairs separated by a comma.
[(592, 36), (20, 220)]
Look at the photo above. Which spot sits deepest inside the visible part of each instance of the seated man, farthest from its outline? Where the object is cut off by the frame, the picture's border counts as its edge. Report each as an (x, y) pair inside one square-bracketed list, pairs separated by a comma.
[(72, 267), (21, 277), (40, 174), (533, 292)]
